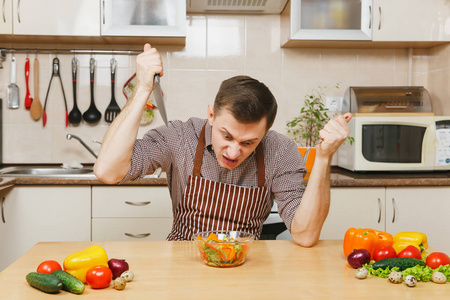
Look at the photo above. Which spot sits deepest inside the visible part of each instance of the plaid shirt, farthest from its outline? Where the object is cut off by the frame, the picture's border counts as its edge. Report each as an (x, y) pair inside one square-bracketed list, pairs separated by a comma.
[(173, 148)]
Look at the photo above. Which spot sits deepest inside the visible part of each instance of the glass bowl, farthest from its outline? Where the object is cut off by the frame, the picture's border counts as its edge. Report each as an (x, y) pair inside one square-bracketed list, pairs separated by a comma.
[(223, 249)]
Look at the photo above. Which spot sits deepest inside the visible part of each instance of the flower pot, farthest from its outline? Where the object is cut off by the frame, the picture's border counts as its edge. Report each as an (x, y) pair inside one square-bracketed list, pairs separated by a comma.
[(308, 154)]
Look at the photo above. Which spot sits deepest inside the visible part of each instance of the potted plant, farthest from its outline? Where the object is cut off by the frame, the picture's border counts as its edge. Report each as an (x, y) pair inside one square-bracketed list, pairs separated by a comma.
[(305, 127)]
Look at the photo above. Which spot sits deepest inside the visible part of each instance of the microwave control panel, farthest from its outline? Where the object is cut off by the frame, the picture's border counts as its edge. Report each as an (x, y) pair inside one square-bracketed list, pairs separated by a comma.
[(443, 138)]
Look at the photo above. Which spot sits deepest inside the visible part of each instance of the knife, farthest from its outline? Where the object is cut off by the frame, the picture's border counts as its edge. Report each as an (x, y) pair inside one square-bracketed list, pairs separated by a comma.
[(159, 97)]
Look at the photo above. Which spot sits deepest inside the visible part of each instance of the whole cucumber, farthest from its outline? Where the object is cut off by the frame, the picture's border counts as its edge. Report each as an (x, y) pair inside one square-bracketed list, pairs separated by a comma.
[(402, 263), (44, 282), (69, 282)]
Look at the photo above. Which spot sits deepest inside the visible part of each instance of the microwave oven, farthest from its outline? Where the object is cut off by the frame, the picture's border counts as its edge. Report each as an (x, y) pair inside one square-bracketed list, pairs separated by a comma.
[(397, 143)]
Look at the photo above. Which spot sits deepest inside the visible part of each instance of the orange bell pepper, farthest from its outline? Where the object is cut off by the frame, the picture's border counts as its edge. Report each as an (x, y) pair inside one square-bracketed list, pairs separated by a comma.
[(369, 239)]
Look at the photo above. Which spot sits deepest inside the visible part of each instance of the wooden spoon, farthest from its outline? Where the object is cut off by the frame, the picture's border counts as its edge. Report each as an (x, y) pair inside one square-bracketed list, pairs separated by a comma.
[(36, 106)]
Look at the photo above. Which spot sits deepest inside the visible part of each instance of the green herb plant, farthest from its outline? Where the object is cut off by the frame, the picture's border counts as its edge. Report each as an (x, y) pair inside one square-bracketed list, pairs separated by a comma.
[(312, 118)]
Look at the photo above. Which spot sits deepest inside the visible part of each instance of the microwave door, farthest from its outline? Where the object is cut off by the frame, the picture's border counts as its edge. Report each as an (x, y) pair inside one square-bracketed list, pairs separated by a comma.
[(392, 143)]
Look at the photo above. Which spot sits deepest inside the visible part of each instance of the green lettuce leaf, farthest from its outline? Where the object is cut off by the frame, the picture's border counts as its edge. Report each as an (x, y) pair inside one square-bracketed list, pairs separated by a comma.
[(422, 273)]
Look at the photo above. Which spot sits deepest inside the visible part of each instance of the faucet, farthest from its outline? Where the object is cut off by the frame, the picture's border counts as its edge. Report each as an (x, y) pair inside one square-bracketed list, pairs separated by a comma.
[(70, 136)]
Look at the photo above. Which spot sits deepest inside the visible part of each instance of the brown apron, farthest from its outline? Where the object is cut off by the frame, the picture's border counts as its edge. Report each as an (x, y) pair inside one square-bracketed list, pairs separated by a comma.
[(209, 205)]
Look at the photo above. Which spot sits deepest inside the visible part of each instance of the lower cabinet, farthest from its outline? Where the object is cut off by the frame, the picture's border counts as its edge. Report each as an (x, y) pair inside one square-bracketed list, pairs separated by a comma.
[(131, 213), (354, 207), (391, 209), (32, 214), (422, 209)]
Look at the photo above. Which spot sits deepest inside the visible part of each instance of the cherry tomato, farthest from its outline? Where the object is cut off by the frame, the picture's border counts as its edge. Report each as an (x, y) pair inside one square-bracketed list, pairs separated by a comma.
[(410, 252), (384, 252), (436, 259), (99, 277), (48, 266)]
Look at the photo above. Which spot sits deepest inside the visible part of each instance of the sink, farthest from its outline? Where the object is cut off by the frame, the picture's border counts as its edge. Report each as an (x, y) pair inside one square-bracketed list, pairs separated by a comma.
[(44, 171), (57, 171)]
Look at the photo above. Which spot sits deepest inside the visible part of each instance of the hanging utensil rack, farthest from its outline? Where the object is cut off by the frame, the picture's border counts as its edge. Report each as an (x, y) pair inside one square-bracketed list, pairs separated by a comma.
[(73, 52)]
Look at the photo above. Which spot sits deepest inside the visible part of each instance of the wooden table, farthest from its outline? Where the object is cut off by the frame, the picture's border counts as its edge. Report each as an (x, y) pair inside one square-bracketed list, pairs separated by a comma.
[(173, 270)]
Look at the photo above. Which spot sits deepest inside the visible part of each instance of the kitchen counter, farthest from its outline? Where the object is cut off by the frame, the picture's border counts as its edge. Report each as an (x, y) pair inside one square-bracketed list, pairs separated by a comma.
[(339, 178), (174, 270)]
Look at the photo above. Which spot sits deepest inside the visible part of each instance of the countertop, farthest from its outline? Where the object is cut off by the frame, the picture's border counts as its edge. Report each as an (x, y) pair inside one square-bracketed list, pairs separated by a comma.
[(174, 270), (339, 178)]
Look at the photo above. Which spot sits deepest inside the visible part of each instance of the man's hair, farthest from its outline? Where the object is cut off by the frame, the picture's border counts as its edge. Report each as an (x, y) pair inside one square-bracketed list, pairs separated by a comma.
[(247, 99)]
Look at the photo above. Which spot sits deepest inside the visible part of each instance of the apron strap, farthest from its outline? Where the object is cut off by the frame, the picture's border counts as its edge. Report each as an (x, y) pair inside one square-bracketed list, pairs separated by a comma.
[(198, 160), (199, 153)]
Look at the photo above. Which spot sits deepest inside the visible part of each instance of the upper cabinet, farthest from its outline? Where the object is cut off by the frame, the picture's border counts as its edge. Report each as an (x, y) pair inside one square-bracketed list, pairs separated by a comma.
[(330, 19), (411, 20), (353, 23), (140, 18), (6, 17), (95, 22), (56, 17)]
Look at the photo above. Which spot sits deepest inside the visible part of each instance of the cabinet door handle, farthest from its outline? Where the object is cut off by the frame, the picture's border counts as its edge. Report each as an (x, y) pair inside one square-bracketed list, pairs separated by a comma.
[(370, 16), (138, 203), (379, 210), (3, 11), (393, 210), (103, 2), (379, 22), (139, 235), (18, 11), (3, 210)]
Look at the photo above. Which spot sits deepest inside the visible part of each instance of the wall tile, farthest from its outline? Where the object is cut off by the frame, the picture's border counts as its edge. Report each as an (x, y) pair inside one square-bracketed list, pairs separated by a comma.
[(338, 59), (193, 54), (375, 60), (300, 59), (225, 42), (263, 50)]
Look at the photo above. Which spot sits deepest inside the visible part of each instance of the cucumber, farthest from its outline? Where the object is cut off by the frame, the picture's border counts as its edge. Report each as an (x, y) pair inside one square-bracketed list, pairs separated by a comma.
[(402, 263), (44, 282), (70, 283)]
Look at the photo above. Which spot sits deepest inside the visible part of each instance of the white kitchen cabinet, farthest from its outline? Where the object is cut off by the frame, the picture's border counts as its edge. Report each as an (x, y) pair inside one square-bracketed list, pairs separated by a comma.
[(56, 17), (330, 19), (422, 209), (154, 18), (6, 17), (411, 20), (35, 214), (365, 23), (131, 213), (354, 207)]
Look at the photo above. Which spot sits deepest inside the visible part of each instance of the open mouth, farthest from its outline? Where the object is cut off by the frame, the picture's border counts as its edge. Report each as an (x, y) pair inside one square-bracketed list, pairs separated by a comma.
[(229, 162)]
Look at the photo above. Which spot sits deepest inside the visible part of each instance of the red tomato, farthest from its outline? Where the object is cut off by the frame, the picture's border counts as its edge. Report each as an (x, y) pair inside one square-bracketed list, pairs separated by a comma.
[(99, 277), (384, 252), (410, 252), (48, 266), (436, 259)]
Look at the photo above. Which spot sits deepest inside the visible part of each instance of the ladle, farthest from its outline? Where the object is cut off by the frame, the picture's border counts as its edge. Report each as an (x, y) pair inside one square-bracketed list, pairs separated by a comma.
[(75, 113), (92, 115)]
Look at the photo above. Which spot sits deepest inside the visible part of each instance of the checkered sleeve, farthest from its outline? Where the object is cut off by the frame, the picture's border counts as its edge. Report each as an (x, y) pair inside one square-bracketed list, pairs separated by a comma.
[(287, 186), (153, 151)]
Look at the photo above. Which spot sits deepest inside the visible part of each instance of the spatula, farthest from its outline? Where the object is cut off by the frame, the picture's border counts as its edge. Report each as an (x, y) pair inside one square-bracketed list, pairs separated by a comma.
[(113, 109), (36, 106), (13, 89)]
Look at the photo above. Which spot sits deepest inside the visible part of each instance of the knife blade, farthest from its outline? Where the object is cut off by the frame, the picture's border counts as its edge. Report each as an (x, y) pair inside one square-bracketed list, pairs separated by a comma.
[(159, 97)]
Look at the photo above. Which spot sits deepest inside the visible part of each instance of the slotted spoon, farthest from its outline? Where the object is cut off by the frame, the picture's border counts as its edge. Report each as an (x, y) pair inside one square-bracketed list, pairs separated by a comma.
[(113, 109)]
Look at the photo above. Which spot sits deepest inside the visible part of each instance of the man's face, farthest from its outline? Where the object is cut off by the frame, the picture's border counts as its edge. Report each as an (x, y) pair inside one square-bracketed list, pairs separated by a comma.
[(233, 141)]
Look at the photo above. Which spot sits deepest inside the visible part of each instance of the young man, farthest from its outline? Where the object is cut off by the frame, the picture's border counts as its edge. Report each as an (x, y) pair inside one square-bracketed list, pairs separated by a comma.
[(226, 171)]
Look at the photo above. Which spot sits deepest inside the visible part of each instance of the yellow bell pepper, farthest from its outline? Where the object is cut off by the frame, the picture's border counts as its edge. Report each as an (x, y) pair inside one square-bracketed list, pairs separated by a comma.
[(79, 262), (405, 239)]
